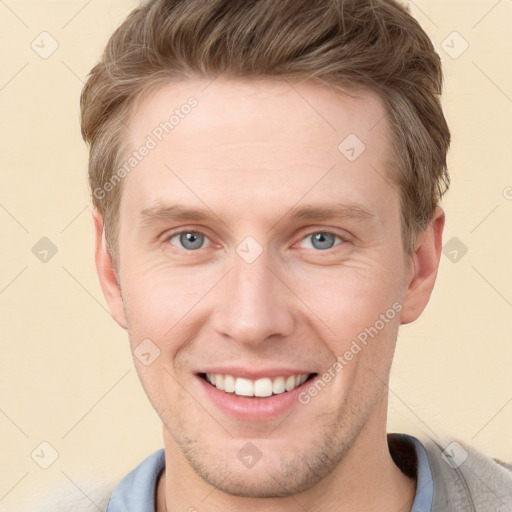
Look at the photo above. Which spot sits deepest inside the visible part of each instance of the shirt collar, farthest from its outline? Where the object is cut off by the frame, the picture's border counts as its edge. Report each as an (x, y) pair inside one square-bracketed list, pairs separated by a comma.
[(136, 491)]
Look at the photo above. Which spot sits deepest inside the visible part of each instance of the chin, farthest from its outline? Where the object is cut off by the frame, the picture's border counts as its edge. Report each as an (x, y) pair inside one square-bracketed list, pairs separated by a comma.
[(262, 483), (280, 471)]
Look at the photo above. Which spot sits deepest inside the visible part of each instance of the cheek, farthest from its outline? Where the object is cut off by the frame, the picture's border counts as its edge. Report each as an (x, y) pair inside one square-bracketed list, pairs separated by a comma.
[(167, 307), (351, 298), (158, 297)]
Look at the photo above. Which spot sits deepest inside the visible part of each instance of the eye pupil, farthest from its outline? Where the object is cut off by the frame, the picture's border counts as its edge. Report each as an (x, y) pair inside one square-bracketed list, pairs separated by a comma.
[(322, 240), (191, 240)]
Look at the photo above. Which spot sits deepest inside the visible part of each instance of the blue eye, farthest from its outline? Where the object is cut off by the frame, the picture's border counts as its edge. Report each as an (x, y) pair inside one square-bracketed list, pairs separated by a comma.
[(190, 240), (321, 240)]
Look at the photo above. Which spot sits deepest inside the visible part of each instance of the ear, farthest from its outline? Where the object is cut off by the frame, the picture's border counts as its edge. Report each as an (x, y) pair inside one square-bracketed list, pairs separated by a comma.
[(423, 267), (107, 273)]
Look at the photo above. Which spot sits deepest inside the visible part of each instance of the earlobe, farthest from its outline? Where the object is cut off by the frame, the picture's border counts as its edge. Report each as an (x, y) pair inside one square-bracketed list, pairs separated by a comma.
[(107, 273), (424, 265)]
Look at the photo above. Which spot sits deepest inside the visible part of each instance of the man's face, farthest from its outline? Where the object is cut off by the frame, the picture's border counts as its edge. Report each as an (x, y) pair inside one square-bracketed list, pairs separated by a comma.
[(296, 253)]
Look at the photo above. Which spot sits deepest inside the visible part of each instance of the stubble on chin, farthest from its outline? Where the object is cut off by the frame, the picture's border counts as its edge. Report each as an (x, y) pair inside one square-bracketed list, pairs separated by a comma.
[(308, 459)]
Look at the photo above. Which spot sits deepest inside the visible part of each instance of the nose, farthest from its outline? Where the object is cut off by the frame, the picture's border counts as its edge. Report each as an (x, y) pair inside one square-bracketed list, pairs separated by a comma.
[(253, 304)]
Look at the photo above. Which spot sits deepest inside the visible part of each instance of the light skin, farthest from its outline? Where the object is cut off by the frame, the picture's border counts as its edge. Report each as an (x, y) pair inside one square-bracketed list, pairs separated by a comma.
[(250, 156)]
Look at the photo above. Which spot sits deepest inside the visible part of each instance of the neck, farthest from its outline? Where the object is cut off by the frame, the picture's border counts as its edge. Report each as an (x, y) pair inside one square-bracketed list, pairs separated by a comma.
[(367, 480)]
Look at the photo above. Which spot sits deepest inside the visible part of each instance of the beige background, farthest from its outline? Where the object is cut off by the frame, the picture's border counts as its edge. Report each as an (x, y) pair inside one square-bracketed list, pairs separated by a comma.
[(66, 373)]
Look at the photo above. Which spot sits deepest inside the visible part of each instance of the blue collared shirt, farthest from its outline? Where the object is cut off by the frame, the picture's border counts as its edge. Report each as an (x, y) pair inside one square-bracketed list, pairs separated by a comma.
[(136, 491)]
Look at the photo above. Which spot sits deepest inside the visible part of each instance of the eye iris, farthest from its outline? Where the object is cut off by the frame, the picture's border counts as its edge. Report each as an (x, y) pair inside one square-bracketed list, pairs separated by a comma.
[(191, 240), (322, 240)]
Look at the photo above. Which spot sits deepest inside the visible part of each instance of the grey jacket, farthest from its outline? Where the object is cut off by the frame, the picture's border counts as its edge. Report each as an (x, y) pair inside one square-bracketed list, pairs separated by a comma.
[(466, 480)]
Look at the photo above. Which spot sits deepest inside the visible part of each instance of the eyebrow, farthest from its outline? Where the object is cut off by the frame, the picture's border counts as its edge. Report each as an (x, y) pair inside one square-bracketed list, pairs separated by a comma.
[(173, 212), (162, 213), (342, 211)]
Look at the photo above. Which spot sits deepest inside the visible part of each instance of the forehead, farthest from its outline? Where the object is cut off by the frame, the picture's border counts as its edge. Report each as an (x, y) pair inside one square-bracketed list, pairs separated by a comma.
[(268, 140), (248, 109)]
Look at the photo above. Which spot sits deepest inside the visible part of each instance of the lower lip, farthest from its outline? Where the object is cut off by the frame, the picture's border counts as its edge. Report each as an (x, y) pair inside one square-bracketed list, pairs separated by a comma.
[(254, 408)]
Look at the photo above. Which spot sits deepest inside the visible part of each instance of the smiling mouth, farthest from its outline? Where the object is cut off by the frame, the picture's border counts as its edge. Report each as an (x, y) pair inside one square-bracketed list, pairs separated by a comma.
[(259, 388)]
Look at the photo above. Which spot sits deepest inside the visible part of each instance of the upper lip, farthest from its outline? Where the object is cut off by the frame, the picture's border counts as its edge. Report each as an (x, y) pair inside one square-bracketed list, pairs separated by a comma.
[(254, 374)]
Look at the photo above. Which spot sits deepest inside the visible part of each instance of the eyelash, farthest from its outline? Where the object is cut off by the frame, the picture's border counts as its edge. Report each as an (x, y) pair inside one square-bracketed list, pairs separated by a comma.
[(340, 239)]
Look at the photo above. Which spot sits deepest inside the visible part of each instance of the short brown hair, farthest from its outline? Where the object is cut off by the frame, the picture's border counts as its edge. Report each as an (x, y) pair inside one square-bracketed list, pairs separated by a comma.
[(371, 45)]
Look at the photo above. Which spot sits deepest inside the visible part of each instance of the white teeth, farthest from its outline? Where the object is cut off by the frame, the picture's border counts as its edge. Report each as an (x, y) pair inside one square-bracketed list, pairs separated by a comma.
[(219, 381), (290, 383), (229, 383), (278, 386), (244, 387), (263, 387)]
